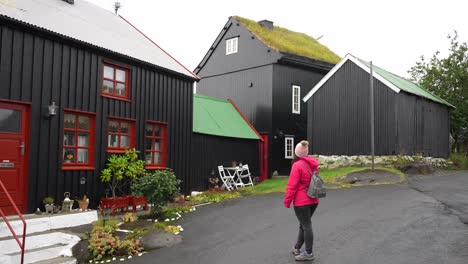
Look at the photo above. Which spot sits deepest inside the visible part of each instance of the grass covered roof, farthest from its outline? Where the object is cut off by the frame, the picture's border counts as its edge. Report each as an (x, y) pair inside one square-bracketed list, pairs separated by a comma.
[(288, 41)]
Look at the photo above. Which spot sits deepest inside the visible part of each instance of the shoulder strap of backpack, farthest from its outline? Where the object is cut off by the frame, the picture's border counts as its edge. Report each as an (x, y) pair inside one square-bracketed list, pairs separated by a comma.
[(305, 167)]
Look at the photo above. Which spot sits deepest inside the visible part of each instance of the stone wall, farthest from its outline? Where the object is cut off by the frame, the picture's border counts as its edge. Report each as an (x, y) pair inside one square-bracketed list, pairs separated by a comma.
[(332, 162)]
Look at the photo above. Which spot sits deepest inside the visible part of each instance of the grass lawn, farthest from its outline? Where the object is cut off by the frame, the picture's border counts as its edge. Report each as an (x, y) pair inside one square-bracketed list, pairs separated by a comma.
[(328, 175)]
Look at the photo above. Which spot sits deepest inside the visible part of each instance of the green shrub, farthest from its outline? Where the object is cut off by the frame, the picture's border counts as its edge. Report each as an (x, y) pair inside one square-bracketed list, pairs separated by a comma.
[(159, 188), (109, 225), (459, 161), (160, 225), (122, 169), (129, 218), (103, 244)]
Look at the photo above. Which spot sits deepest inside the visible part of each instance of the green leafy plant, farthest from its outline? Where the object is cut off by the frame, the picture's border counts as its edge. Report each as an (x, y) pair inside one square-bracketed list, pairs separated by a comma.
[(122, 169), (48, 200), (159, 188), (129, 218), (110, 225), (103, 244), (160, 225)]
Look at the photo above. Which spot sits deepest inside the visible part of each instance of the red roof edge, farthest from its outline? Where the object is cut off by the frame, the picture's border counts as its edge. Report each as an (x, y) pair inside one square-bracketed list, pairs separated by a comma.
[(194, 75), (245, 119)]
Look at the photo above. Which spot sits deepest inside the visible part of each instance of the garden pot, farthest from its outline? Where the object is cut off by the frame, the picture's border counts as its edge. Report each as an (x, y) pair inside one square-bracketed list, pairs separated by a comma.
[(49, 208), (83, 205), (115, 203)]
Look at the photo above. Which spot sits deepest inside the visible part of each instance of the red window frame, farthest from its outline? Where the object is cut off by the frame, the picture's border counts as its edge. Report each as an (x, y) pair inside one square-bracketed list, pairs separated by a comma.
[(163, 148), (91, 132), (131, 134), (114, 81)]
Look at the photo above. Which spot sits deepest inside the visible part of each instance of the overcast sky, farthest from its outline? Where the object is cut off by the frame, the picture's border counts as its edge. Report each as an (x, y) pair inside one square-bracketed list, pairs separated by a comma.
[(393, 34)]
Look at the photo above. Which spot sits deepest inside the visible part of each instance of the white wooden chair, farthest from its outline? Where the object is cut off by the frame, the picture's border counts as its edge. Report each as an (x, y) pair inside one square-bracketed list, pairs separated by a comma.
[(243, 173), (227, 179)]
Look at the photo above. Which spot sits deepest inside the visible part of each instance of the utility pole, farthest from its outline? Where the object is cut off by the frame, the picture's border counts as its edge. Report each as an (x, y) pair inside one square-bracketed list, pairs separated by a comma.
[(372, 113)]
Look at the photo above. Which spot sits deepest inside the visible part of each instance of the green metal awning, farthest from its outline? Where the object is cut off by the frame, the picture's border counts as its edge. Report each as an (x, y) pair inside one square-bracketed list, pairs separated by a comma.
[(218, 117)]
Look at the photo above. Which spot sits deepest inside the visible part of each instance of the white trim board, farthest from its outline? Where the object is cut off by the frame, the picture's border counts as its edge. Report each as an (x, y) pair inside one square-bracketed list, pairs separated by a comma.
[(349, 57)]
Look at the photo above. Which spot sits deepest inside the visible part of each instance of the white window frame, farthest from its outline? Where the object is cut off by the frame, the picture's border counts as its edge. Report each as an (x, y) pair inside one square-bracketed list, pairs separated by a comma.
[(296, 99), (232, 45), (288, 142)]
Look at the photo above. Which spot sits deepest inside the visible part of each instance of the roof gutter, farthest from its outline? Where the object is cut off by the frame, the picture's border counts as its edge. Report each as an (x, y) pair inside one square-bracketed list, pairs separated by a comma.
[(297, 60)]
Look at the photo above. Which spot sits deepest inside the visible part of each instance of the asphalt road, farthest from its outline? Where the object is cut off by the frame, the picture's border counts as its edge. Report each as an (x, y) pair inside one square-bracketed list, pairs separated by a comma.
[(412, 223)]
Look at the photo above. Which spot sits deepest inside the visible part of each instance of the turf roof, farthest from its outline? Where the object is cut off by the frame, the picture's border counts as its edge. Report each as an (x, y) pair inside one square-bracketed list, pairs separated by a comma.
[(288, 41)]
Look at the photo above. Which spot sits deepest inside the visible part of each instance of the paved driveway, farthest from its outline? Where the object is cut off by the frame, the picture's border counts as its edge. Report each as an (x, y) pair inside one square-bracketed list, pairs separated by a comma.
[(379, 224)]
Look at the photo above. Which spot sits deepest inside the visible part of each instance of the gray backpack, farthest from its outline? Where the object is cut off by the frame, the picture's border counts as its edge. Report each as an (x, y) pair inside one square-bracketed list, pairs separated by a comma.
[(317, 186)]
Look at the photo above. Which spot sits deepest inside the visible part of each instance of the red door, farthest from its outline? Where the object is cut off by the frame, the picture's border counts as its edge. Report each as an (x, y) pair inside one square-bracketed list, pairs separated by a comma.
[(14, 134)]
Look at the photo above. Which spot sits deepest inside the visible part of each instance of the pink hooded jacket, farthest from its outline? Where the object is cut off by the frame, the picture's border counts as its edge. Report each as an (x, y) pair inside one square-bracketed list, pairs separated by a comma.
[(298, 183)]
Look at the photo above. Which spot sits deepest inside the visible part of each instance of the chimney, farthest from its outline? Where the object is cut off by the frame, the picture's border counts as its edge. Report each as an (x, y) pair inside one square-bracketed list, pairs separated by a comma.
[(71, 2), (266, 23)]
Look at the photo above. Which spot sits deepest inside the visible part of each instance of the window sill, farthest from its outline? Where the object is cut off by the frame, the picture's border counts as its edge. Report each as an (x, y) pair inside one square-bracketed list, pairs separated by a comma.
[(117, 151), (155, 167), (117, 98), (77, 167)]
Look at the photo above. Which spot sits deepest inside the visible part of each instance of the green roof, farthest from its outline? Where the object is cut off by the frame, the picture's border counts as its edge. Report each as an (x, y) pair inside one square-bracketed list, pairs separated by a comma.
[(288, 41), (218, 117), (406, 85)]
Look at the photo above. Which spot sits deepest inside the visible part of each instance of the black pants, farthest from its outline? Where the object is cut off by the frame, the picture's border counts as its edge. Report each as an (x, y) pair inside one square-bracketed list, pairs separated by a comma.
[(304, 215)]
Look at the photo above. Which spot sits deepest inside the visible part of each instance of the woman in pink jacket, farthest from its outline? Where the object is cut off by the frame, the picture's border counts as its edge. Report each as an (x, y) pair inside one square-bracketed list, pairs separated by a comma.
[(304, 206)]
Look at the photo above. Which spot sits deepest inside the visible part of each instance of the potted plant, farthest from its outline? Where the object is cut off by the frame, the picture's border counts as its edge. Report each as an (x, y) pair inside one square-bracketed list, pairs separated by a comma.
[(119, 172), (48, 204), (83, 203)]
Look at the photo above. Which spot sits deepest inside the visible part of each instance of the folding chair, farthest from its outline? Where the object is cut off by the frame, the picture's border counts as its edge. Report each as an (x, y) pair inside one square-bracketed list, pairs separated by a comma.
[(245, 173), (228, 180)]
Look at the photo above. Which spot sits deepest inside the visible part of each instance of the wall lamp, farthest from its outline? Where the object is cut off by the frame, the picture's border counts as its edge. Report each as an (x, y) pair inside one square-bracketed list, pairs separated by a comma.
[(52, 109)]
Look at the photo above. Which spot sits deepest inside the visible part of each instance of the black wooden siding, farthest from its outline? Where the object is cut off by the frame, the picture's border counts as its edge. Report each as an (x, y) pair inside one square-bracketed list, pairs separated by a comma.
[(209, 152), (251, 52), (339, 119), (284, 77), (40, 68), (254, 102)]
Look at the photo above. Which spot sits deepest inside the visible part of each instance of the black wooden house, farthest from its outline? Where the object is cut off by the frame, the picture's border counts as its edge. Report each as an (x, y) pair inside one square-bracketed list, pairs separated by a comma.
[(266, 70), (78, 83), (408, 119)]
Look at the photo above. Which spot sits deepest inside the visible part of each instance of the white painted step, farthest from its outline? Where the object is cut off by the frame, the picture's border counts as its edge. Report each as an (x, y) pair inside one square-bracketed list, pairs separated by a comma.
[(46, 223), (59, 260), (38, 248)]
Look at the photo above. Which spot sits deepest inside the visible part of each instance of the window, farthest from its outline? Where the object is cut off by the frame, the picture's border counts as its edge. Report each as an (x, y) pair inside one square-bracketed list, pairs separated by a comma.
[(78, 140), (288, 147), (155, 144), (115, 81), (231, 45), (296, 99), (120, 134)]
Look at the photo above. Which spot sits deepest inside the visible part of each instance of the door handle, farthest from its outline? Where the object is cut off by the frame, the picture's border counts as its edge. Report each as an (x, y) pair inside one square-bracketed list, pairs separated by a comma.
[(22, 148)]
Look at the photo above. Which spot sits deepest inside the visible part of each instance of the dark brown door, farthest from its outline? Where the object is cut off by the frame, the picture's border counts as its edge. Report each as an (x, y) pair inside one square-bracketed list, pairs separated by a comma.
[(13, 152)]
